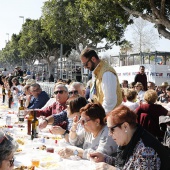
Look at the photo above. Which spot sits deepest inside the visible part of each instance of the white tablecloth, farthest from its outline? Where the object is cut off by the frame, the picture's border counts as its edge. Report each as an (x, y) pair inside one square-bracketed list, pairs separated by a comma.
[(29, 149)]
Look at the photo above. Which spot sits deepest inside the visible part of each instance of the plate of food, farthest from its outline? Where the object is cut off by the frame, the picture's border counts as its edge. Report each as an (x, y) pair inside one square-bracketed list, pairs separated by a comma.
[(50, 165), (24, 168), (19, 151)]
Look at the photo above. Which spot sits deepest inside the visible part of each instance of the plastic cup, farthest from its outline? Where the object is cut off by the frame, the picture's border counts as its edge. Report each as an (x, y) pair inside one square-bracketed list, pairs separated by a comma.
[(35, 162)]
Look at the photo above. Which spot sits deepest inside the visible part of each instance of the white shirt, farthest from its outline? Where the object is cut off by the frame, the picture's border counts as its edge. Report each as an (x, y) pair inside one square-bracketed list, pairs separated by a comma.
[(131, 105), (49, 103), (140, 96), (109, 88)]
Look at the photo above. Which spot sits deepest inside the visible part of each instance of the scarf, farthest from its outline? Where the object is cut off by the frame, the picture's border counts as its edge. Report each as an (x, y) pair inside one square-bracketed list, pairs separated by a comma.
[(124, 152)]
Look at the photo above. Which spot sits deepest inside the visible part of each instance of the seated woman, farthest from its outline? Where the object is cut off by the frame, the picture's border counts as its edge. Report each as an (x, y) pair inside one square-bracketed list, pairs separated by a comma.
[(131, 96), (17, 88), (74, 104), (137, 149), (94, 135), (7, 148), (140, 91), (149, 112)]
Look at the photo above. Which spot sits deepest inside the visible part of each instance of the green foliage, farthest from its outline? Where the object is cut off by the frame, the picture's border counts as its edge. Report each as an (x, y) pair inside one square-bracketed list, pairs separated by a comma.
[(86, 22)]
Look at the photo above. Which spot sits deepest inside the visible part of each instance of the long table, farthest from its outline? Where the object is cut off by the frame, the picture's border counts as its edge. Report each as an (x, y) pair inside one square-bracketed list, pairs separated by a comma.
[(29, 149)]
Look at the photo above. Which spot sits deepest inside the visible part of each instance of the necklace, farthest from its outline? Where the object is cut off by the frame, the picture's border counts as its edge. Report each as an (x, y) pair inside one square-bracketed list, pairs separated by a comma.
[(95, 135)]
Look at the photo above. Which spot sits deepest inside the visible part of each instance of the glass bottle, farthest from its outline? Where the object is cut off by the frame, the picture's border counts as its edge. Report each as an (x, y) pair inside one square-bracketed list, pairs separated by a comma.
[(29, 121), (21, 112), (3, 94), (10, 98), (34, 124)]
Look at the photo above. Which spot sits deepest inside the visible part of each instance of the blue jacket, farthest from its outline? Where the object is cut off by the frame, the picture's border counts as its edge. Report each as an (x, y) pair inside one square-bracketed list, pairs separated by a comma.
[(40, 101)]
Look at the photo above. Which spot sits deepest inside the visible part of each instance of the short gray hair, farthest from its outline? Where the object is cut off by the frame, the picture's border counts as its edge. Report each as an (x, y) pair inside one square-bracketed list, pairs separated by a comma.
[(80, 85), (7, 146), (58, 85), (36, 85)]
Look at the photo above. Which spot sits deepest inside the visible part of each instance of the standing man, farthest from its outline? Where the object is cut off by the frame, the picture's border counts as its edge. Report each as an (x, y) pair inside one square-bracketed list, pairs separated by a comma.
[(105, 87), (141, 77)]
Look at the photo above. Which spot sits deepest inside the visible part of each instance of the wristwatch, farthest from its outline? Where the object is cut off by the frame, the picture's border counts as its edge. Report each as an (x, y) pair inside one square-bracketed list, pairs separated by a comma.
[(75, 152), (66, 132)]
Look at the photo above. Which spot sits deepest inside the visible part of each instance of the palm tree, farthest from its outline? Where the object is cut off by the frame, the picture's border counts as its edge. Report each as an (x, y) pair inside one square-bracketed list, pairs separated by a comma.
[(126, 47)]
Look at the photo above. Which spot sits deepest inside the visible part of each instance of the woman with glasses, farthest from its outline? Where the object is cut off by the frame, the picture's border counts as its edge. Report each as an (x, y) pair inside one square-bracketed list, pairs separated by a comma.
[(7, 148), (140, 91), (74, 104), (94, 135), (138, 149)]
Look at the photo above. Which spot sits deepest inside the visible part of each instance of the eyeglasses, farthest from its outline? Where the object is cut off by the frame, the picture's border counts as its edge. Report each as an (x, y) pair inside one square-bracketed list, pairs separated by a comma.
[(59, 92), (11, 161), (111, 129), (73, 92), (84, 121), (35, 90), (86, 63)]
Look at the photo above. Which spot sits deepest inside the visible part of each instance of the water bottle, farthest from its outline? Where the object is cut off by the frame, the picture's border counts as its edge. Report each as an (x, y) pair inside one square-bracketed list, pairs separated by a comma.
[(8, 121)]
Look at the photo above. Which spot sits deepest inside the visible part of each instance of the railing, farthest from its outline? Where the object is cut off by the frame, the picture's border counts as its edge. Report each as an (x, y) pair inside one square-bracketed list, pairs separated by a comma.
[(48, 87)]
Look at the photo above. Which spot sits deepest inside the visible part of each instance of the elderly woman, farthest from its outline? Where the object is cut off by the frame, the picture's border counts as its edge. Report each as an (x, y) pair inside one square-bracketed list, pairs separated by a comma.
[(137, 149), (7, 149), (74, 104), (149, 112), (140, 91), (94, 135)]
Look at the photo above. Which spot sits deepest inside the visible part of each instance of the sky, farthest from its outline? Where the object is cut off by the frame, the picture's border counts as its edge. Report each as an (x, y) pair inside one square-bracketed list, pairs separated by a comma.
[(10, 10)]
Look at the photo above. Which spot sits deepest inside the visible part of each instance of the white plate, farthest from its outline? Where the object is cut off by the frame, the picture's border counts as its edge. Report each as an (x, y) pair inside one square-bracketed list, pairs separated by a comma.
[(17, 153)]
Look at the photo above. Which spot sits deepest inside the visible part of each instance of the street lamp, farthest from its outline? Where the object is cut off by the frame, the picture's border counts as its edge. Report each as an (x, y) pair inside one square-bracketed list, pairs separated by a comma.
[(23, 24), (22, 18), (8, 36)]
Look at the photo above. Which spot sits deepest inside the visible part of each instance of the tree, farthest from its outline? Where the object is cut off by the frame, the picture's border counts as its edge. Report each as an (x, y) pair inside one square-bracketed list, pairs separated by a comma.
[(10, 55), (36, 44), (154, 11), (76, 22), (125, 47), (145, 38)]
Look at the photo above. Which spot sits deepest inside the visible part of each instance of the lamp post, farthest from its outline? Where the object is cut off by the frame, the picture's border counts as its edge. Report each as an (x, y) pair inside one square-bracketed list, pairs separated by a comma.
[(8, 36), (22, 18), (22, 24), (61, 62)]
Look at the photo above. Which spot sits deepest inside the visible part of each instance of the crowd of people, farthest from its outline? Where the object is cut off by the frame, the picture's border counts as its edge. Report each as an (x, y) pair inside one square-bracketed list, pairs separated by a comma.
[(118, 126)]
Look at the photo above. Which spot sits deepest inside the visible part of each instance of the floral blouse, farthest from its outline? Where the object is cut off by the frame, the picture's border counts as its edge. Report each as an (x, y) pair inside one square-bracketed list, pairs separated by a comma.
[(143, 158)]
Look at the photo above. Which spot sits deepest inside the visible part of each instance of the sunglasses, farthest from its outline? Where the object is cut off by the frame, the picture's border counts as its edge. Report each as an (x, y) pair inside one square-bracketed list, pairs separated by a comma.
[(86, 63), (84, 121), (11, 161), (111, 129), (73, 92), (59, 92)]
